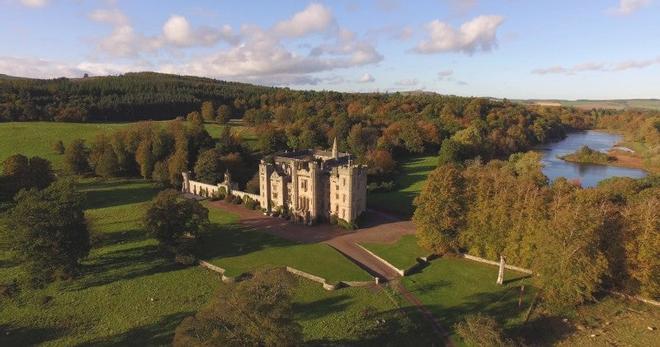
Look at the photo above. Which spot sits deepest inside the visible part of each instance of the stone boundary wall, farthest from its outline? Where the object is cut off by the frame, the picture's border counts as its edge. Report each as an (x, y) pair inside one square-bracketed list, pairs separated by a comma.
[(486, 261), (221, 271), (387, 263), (635, 297), (324, 282), (317, 279), (196, 188), (242, 195)]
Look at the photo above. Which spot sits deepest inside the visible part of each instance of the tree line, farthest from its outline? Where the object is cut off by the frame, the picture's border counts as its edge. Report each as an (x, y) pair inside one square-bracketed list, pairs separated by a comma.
[(577, 241)]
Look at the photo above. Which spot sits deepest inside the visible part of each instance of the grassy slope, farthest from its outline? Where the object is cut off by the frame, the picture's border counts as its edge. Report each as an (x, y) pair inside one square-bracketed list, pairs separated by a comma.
[(454, 287), (402, 254), (408, 185), (239, 250)]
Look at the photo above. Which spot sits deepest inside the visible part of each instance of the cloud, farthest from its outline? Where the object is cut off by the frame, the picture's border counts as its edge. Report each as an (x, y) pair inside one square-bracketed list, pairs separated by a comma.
[(478, 34), (366, 78), (627, 7), (314, 18), (42, 68), (35, 3), (407, 82), (445, 74), (597, 67), (178, 32)]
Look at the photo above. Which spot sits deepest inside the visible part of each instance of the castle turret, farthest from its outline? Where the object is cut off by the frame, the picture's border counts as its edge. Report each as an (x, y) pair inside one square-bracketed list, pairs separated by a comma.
[(335, 152)]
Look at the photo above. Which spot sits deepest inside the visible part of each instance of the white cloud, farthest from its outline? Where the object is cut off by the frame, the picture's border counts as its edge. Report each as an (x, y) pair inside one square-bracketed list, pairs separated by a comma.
[(598, 67), (35, 3), (407, 82), (366, 78), (478, 34), (314, 18), (627, 7), (178, 31)]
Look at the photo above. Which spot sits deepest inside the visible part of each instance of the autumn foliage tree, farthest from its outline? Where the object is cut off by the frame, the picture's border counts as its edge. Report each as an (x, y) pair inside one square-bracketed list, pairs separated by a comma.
[(255, 312), (440, 212)]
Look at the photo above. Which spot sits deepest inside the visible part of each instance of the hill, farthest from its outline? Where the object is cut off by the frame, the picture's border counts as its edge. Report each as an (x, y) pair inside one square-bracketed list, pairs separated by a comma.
[(584, 104)]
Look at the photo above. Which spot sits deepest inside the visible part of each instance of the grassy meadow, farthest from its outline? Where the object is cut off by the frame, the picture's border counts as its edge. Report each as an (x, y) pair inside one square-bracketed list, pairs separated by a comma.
[(128, 295), (408, 184)]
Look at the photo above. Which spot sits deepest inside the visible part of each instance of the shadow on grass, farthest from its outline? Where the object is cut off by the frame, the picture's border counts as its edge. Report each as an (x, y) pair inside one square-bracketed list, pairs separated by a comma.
[(123, 265), (120, 195), (322, 307), (160, 333), (234, 240), (21, 336), (103, 239), (542, 331), (398, 327)]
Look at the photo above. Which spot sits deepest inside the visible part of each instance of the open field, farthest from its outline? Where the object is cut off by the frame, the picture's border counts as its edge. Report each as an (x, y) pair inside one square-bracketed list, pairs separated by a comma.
[(37, 138), (128, 294), (648, 104), (407, 186), (402, 254)]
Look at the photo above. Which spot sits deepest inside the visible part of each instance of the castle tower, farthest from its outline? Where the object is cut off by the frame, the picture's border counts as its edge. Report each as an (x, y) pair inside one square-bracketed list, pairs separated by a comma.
[(335, 152)]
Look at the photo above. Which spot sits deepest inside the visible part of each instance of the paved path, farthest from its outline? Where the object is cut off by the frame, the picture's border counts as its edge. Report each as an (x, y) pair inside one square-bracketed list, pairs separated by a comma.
[(379, 228)]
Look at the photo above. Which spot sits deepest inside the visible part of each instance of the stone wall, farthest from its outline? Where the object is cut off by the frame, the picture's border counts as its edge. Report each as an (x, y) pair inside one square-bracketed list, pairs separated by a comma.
[(486, 261)]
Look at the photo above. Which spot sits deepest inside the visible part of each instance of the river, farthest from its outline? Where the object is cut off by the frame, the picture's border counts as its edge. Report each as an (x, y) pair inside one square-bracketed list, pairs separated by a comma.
[(588, 174)]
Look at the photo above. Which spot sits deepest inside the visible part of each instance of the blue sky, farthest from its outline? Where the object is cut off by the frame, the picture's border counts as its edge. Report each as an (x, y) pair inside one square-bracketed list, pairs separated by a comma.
[(500, 48)]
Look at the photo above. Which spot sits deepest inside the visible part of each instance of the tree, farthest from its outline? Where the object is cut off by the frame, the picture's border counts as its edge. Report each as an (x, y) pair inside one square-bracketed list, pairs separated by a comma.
[(195, 118), (210, 167), (76, 157), (145, 158), (255, 312), (568, 260), (481, 331), (224, 113), (450, 152), (175, 221), (208, 111), (160, 174), (440, 212), (23, 173), (58, 147), (49, 233)]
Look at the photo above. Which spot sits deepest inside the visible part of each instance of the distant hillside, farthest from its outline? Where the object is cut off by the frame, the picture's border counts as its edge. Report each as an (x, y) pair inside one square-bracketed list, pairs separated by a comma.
[(643, 104)]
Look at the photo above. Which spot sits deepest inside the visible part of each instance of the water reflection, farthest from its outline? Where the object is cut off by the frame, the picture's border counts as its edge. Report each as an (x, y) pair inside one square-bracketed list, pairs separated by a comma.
[(588, 174)]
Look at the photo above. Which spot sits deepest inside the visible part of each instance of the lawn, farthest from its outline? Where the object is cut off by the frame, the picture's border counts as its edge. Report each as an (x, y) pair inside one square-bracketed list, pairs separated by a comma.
[(454, 287), (407, 186), (239, 250), (128, 295), (402, 254)]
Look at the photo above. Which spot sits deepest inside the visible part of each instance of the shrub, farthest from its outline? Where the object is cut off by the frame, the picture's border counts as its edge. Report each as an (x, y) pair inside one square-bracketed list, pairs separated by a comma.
[(229, 198), (481, 330), (251, 203), (236, 200)]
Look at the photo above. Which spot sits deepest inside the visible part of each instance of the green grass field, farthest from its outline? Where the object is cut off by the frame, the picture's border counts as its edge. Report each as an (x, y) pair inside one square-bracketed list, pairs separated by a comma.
[(128, 295), (408, 185), (239, 250), (37, 138), (402, 254), (454, 287)]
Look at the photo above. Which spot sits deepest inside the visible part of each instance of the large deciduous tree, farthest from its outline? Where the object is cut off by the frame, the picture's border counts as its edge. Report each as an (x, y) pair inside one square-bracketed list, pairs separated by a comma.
[(175, 221), (76, 157), (49, 232), (255, 312), (440, 212)]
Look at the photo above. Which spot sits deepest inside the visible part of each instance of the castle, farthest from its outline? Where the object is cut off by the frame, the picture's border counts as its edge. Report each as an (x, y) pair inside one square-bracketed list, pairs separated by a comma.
[(312, 185)]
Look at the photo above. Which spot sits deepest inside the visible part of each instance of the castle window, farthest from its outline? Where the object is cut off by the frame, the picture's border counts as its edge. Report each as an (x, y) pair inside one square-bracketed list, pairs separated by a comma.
[(343, 181), (337, 187), (337, 196), (343, 198), (303, 184), (343, 213), (274, 195)]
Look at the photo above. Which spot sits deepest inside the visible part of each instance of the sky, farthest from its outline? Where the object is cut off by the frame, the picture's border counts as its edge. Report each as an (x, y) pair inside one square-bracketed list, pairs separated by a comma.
[(518, 49)]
